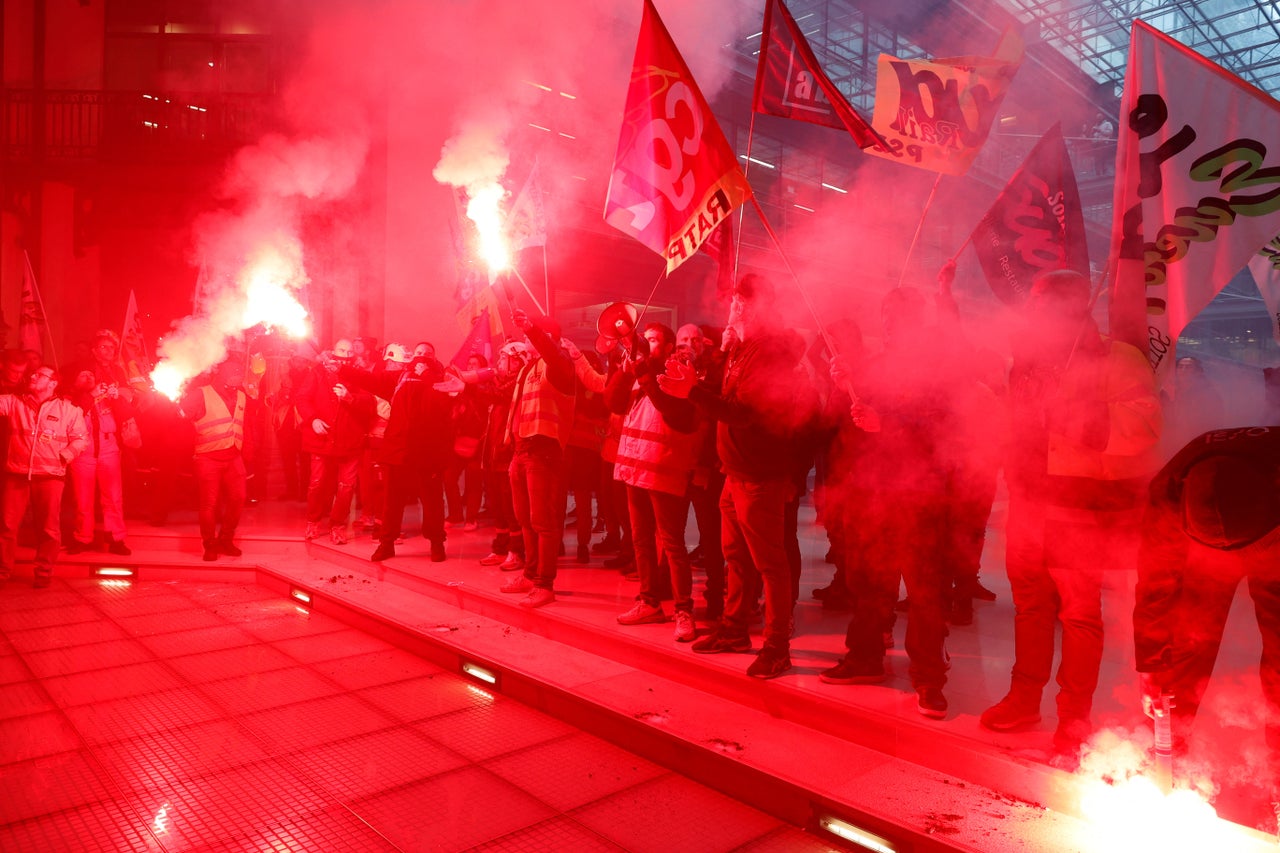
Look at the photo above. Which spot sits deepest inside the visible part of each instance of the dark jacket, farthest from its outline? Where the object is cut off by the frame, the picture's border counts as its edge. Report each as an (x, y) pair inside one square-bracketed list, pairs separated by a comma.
[(761, 409), (348, 418), (420, 429)]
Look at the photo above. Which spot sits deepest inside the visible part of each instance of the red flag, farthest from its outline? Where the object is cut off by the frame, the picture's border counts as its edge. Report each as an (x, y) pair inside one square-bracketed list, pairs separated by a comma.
[(32, 324), (720, 246), (1195, 196), (791, 84), (1035, 224), (479, 342), (675, 178)]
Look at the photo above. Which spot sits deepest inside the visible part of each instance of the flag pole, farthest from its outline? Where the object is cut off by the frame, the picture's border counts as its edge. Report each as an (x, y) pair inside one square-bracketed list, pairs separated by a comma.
[(653, 291), (742, 213), (919, 227), (44, 315), (546, 280), (520, 278)]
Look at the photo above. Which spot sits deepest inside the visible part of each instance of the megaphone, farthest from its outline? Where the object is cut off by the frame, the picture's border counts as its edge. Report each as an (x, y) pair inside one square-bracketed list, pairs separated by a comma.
[(618, 320), (617, 327)]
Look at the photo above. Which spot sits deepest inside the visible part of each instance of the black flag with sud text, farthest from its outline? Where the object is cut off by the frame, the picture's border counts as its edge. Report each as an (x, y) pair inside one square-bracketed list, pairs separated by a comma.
[(1035, 224)]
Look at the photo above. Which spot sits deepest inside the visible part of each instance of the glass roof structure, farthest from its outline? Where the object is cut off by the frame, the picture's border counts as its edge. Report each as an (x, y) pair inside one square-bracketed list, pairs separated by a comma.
[(1242, 36)]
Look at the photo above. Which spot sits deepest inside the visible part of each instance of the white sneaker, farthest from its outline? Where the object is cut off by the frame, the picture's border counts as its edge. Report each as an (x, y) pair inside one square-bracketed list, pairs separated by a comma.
[(686, 630), (642, 613), (493, 559), (513, 563)]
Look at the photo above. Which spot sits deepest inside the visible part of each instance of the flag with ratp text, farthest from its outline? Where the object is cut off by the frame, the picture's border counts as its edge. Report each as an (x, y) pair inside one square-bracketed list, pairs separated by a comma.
[(675, 178)]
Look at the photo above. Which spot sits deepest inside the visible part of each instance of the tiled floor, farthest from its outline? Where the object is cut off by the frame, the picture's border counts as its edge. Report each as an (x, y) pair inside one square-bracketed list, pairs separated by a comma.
[(209, 716), (192, 715)]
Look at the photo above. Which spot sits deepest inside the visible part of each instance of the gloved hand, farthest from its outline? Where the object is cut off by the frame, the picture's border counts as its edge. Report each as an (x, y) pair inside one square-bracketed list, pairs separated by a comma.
[(679, 379), (320, 427), (1154, 686), (340, 391)]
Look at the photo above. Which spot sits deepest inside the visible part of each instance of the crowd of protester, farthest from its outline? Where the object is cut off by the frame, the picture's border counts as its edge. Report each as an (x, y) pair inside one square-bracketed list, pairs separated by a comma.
[(903, 446)]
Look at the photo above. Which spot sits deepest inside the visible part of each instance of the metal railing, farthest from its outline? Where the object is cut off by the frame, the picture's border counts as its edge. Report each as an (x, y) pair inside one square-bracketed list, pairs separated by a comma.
[(89, 124)]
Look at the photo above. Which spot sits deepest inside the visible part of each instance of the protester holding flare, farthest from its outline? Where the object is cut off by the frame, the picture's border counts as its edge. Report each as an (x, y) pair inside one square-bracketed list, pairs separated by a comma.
[(542, 404), (1211, 520), (217, 408)]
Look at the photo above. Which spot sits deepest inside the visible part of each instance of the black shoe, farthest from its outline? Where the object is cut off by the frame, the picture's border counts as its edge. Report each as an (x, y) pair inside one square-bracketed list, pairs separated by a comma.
[(770, 663), (385, 551), (210, 553), (617, 562), (607, 545), (974, 590), (42, 581), (584, 554), (849, 671), (719, 641), (437, 551), (931, 703), (119, 548), (225, 547), (75, 546)]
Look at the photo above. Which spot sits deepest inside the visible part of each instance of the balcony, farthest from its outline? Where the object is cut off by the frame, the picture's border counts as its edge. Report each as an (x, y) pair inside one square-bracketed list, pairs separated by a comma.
[(76, 126)]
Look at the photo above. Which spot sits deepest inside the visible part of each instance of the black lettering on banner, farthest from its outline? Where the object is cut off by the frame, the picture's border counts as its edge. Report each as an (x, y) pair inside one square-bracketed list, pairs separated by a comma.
[(944, 125), (1158, 344)]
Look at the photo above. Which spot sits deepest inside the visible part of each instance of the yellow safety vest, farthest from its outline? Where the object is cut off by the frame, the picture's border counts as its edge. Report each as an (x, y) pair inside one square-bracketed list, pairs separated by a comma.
[(218, 428)]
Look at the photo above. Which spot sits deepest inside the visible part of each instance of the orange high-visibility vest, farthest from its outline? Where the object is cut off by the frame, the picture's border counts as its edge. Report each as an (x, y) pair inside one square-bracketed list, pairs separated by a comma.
[(538, 407), (218, 428)]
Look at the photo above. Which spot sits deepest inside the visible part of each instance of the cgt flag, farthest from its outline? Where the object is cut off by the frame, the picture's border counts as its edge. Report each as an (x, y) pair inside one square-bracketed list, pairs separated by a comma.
[(1197, 189), (1035, 224), (675, 178), (1265, 267), (791, 84), (936, 115)]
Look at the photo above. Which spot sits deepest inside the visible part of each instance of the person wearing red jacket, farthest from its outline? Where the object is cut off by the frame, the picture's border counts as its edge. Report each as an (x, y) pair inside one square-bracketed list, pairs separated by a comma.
[(335, 419), (45, 434)]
